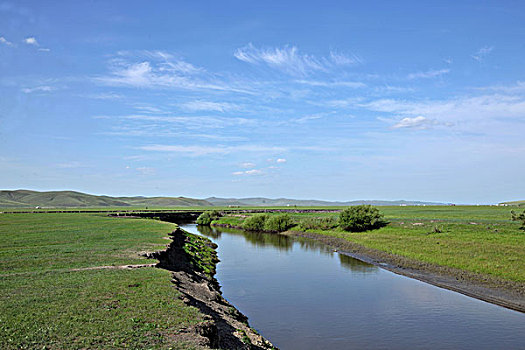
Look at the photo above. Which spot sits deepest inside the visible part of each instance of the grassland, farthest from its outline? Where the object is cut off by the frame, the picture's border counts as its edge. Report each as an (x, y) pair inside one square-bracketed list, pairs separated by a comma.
[(53, 294), (479, 239)]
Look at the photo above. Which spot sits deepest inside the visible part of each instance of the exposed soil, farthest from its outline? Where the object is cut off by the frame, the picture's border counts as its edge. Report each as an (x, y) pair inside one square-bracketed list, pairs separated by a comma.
[(224, 326), (494, 290)]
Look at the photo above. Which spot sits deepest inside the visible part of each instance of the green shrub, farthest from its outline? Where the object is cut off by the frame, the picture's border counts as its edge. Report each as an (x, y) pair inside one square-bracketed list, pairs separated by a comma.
[(518, 217), (278, 223), (208, 216), (255, 222), (323, 223), (361, 218)]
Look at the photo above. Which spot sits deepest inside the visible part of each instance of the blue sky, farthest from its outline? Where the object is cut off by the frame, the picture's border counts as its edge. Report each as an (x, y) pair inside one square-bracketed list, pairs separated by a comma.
[(332, 100)]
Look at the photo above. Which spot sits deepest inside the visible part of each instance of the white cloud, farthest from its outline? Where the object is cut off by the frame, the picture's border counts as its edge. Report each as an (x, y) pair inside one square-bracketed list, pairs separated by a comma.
[(428, 74), (160, 70), (483, 114), (146, 170), (71, 165), (281, 160), (43, 88), (482, 53), (334, 84), (5, 41), (248, 165), (419, 122), (248, 172), (343, 60), (44, 49), (207, 150), (288, 59), (194, 106), (31, 41)]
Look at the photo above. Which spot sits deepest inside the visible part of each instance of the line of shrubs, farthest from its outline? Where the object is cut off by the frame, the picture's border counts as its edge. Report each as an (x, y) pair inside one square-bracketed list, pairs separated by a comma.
[(355, 219)]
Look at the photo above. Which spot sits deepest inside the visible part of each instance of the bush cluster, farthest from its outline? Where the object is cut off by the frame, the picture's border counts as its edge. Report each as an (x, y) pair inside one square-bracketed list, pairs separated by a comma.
[(208, 216), (361, 218), (323, 223), (278, 223), (255, 222), (518, 217), (265, 222)]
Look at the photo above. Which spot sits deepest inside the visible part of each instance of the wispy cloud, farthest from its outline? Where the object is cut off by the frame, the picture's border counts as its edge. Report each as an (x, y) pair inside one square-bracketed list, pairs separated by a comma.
[(281, 160), (482, 53), (469, 113), (146, 171), (289, 60), (4, 41), (333, 84), (419, 122), (248, 165), (162, 71), (44, 88), (196, 106), (198, 150), (104, 96), (248, 172), (428, 74)]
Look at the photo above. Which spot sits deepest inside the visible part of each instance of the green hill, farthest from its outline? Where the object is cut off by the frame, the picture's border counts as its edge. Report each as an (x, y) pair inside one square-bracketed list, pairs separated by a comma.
[(54, 199)]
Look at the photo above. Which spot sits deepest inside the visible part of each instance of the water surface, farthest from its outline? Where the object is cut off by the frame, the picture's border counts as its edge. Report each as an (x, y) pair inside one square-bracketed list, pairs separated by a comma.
[(301, 295)]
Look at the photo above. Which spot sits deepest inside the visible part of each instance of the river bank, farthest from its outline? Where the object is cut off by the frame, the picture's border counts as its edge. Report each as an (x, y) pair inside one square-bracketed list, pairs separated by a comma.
[(192, 260)]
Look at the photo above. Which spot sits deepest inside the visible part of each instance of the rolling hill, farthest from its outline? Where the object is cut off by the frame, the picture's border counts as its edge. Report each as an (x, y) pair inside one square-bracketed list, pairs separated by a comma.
[(62, 199)]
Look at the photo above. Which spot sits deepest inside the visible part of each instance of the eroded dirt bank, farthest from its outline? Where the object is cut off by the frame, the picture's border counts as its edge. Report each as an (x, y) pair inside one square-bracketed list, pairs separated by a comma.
[(491, 289), (192, 260)]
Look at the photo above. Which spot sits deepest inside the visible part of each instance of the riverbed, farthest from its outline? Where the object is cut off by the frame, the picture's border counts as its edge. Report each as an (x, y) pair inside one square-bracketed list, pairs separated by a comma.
[(301, 295)]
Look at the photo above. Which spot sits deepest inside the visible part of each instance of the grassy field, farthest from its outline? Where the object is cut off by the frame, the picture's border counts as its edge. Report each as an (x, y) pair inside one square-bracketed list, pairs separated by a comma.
[(49, 299), (479, 239)]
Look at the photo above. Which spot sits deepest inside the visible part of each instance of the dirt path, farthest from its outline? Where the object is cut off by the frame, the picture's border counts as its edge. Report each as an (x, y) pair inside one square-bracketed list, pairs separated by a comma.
[(505, 293), (118, 267)]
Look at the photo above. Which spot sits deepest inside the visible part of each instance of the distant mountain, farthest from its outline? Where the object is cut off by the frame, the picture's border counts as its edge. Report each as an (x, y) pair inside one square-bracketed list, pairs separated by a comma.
[(26, 198), (282, 202)]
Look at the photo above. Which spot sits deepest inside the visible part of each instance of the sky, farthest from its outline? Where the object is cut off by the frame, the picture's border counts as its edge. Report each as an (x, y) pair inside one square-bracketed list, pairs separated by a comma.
[(332, 100)]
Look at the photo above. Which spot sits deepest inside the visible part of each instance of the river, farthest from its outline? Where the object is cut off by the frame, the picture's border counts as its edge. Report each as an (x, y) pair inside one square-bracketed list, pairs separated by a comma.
[(301, 295)]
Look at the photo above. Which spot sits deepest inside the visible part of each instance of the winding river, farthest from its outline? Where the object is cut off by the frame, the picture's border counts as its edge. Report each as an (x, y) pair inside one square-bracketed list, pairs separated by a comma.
[(301, 295)]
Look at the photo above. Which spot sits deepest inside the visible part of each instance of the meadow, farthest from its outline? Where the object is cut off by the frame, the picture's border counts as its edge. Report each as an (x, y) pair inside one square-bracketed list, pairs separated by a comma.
[(55, 295)]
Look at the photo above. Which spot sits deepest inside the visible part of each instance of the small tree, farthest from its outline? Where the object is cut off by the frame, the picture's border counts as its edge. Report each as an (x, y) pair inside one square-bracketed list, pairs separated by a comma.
[(255, 222), (278, 223), (361, 218), (208, 216)]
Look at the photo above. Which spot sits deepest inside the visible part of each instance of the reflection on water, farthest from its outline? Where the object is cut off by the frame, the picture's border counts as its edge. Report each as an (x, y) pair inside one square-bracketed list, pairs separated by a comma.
[(302, 295), (257, 239), (357, 265)]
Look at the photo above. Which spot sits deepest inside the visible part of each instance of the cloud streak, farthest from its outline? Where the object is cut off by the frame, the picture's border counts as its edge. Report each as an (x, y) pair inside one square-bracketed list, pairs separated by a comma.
[(289, 60), (433, 73), (160, 70)]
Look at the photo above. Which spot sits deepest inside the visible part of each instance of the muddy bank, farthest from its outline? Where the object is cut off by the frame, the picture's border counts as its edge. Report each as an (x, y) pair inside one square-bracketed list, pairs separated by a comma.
[(192, 260), (505, 293)]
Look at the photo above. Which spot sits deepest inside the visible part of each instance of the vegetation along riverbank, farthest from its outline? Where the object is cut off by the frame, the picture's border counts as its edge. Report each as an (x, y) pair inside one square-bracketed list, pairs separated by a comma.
[(85, 281), (475, 250)]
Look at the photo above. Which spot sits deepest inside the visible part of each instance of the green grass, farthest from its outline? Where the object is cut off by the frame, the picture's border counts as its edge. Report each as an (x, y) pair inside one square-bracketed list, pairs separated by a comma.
[(45, 303)]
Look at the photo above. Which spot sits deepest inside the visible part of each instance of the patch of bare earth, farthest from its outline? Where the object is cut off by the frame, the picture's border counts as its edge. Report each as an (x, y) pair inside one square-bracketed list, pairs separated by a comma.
[(224, 326)]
